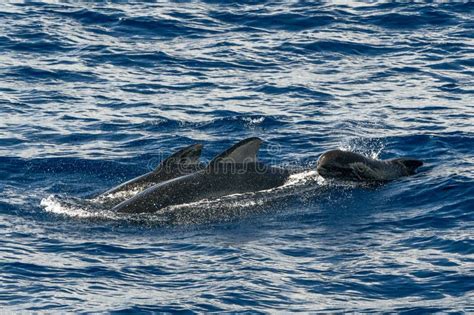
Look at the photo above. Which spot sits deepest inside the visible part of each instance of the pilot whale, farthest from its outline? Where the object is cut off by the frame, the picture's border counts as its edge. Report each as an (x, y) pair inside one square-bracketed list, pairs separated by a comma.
[(182, 162), (344, 165), (236, 170)]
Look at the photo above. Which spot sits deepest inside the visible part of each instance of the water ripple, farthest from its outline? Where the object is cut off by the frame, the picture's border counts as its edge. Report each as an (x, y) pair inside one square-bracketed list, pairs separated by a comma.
[(93, 94)]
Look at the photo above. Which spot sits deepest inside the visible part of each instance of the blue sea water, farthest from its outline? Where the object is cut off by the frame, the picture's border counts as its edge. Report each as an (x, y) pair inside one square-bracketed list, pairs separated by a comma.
[(92, 94)]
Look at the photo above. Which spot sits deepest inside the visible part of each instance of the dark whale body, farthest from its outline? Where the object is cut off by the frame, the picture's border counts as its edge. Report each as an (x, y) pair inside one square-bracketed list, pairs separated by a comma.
[(344, 165), (212, 182), (234, 171)]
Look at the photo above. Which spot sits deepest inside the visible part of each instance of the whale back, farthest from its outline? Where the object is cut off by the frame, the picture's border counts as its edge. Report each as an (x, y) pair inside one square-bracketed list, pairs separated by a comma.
[(210, 183)]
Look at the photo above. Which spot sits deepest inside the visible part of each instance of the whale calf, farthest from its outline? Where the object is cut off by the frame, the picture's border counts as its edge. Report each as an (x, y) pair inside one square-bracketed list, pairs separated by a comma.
[(182, 162), (236, 170), (344, 165)]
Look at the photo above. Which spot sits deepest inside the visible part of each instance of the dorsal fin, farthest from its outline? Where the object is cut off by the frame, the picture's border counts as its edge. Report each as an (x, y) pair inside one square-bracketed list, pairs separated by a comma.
[(186, 156), (244, 151)]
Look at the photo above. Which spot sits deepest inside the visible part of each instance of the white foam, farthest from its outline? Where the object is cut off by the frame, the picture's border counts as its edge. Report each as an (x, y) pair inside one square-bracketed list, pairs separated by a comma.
[(55, 205), (368, 147), (253, 121), (303, 178)]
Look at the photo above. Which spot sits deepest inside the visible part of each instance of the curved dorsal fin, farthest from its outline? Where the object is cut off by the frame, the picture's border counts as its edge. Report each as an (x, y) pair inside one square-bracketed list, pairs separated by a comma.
[(186, 156), (244, 151)]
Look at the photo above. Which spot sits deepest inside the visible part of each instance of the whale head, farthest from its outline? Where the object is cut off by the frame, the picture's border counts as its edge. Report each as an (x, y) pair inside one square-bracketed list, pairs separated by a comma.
[(407, 165), (339, 164), (344, 165)]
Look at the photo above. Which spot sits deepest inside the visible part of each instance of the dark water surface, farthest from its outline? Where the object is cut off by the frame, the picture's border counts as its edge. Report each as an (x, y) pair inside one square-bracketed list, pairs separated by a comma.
[(94, 94)]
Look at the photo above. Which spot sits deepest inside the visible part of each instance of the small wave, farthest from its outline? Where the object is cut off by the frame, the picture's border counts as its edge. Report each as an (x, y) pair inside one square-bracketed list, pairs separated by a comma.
[(242, 121), (284, 21), (297, 91), (409, 20), (56, 205), (338, 46), (87, 16), (162, 26), (36, 74), (153, 88), (40, 46)]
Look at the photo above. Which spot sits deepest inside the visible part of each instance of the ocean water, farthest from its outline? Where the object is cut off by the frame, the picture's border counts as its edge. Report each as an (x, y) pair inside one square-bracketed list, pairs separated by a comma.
[(94, 94)]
